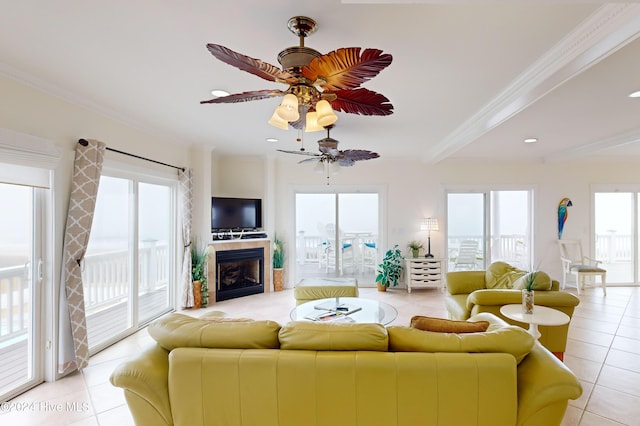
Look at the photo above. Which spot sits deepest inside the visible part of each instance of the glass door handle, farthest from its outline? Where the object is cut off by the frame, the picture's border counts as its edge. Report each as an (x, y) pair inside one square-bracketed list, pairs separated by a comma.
[(40, 270)]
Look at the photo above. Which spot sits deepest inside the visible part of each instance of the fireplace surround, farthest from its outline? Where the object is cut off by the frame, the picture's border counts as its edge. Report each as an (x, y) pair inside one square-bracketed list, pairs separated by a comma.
[(239, 268)]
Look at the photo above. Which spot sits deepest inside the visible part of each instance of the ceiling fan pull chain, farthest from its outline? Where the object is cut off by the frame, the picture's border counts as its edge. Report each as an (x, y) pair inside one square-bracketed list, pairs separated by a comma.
[(300, 139)]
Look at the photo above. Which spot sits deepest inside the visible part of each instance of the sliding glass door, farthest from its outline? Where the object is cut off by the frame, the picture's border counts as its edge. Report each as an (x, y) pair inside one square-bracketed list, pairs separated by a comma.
[(129, 267), (20, 278), (616, 241), (466, 227), (337, 234), (488, 226)]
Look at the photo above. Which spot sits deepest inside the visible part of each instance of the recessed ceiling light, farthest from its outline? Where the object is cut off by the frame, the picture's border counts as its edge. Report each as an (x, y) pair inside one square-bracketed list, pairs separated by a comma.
[(219, 93), (271, 140), (531, 140), (635, 94)]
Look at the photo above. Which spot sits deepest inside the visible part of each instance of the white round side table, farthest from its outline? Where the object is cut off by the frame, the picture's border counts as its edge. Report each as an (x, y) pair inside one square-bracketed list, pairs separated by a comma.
[(541, 315)]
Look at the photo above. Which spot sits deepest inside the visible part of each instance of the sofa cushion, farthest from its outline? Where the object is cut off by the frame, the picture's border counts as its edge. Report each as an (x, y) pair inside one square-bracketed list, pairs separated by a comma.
[(334, 336), (179, 330), (441, 325), (541, 281), (501, 275), (509, 339)]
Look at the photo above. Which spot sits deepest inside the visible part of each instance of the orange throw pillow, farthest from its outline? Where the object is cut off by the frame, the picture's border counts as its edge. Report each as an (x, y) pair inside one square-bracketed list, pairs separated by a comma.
[(447, 326)]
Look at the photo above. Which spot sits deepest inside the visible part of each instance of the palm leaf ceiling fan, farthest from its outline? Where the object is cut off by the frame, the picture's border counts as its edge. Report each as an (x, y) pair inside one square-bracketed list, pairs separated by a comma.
[(330, 156), (318, 84)]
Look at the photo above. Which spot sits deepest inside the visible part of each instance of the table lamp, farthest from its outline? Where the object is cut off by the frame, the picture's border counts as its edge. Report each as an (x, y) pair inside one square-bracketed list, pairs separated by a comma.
[(429, 224)]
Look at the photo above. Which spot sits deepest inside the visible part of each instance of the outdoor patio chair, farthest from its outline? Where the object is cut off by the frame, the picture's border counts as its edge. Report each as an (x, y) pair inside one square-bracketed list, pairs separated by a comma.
[(467, 253)]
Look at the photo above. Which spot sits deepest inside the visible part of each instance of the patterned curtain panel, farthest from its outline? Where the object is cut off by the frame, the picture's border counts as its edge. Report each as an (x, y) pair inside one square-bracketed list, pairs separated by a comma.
[(186, 207), (73, 351)]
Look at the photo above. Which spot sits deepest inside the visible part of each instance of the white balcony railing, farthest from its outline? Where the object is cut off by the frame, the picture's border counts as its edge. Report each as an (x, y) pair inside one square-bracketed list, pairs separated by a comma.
[(106, 283)]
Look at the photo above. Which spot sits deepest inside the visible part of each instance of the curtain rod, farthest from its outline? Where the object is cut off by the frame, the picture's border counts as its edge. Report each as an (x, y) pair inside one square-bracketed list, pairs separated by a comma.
[(84, 142)]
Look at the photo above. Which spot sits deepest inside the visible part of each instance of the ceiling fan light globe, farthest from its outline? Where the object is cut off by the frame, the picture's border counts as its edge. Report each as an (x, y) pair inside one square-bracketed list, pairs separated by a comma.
[(278, 122), (326, 116), (335, 168), (288, 109), (312, 122), (319, 167)]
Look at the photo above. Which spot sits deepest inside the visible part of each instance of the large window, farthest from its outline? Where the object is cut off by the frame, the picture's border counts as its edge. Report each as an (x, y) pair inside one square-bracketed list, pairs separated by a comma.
[(129, 273), (488, 226), (337, 234)]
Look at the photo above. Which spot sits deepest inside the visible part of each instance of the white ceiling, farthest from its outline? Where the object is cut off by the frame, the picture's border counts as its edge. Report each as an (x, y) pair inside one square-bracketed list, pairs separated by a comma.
[(469, 79)]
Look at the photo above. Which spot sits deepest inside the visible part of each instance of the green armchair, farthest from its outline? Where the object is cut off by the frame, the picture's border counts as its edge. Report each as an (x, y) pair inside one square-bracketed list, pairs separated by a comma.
[(468, 295)]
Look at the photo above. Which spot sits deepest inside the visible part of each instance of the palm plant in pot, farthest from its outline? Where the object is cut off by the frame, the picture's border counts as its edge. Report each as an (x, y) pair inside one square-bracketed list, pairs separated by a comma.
[(278, 263), (390, 269), (528, 292), (415, 247), (199, 276)]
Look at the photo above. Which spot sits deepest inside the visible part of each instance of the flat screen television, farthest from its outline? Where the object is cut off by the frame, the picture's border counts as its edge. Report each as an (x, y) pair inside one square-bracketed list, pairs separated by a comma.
[(235, 214)]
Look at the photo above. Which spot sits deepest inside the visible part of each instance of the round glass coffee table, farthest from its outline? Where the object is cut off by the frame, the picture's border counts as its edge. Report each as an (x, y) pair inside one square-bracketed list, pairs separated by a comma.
[(354, 308)]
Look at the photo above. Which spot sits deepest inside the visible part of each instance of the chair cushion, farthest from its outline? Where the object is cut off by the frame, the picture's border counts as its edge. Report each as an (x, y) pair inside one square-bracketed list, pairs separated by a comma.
[(586, 268), (447, 326), (501, 275), (541, 281), (179, 330), (305, 335)]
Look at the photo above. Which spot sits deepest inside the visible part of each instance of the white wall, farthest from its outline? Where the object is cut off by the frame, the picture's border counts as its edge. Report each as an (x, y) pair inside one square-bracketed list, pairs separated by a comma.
[(415, 190)]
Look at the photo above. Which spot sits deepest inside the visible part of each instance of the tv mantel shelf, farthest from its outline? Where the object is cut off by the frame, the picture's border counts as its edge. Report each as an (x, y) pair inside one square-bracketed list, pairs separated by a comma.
[(238, 240), (217, 246)]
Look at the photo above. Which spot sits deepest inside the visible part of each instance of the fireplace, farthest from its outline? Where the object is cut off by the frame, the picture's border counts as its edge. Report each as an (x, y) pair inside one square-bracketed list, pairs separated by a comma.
[(239, 273)]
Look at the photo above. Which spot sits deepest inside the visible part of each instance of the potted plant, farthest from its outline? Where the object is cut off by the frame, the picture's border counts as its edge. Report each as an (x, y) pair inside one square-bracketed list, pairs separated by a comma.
[(389, 270), (528, 293), (199, 276), (415, 247), (278, 263)]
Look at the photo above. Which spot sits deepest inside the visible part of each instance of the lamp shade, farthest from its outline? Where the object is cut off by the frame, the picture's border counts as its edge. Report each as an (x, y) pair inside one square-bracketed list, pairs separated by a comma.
[(312, 122), (288, 109), (429, 224), (278, 122), (326, 116)]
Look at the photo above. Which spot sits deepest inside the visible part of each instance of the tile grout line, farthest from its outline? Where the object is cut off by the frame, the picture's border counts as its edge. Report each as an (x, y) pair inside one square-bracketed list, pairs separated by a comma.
[(595, 383)]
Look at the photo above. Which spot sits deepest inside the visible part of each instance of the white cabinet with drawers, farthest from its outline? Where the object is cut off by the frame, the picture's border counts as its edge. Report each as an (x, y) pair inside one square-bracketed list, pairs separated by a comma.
[(423, 272)]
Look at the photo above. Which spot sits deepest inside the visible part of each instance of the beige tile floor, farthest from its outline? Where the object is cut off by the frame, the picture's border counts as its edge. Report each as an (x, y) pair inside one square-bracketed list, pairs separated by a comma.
[(603, 350)]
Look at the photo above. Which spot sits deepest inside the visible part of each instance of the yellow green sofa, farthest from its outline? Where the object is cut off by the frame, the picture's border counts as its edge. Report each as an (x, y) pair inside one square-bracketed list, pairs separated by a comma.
[(468, 295), (262, 374)]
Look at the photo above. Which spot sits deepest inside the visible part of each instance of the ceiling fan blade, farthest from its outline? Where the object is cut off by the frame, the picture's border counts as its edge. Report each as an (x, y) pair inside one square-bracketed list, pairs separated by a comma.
[(349, 156), (245, 97), (308, 160), (309, 154), (346, 68), (251, 65), (361, 101)]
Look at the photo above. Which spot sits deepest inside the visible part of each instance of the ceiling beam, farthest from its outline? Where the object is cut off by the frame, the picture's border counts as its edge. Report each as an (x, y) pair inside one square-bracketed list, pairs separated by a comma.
[(607, 30)]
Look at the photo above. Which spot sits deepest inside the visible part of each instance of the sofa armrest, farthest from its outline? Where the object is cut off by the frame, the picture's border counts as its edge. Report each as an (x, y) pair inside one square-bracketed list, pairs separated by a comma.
[(500, 297), (145, 381), (545, 386), (465, 282)]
